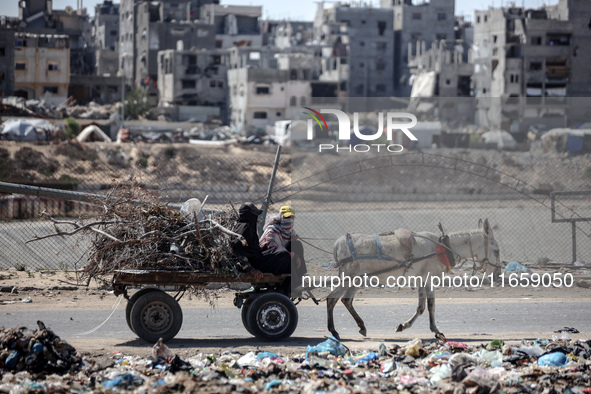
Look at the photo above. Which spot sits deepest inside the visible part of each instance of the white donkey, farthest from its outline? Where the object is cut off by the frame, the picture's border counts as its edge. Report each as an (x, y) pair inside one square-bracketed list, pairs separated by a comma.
[(405, 253)]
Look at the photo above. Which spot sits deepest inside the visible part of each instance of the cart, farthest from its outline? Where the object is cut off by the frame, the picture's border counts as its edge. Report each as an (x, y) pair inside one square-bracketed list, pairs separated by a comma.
[(151, 313)]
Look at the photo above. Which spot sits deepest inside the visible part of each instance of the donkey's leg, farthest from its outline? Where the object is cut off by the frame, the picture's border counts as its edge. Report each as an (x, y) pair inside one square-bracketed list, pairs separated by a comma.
[(331, 302), (347, 300), (419, 312), (431, 308)]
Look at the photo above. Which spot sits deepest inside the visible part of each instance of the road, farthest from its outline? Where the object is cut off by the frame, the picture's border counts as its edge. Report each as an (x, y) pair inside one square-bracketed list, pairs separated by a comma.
[(514, 319)]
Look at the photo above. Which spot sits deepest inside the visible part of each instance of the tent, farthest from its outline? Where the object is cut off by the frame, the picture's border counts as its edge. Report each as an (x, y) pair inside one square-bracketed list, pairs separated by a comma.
[(25, 130), (503, 139)]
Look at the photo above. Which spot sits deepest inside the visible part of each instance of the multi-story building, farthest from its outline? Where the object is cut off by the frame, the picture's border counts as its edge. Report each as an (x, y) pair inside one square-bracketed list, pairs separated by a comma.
[(234, 25), (195, 81), (41, 66), (286, 34), (527, 62), (358, 50), (427, 21), (6, 61), (106, 36), (157, 29), (260, 96)]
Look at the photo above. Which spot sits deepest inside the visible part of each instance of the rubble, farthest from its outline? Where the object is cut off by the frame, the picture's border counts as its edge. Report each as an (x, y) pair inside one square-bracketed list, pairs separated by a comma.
[(354, 371)]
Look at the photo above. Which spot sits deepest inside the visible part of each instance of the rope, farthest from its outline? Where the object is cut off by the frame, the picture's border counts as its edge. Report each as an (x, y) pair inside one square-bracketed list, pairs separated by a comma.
[(315, 247), (318, 239), (107, 319)]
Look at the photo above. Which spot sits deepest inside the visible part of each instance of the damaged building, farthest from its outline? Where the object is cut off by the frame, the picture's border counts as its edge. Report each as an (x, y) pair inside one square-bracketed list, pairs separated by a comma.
[(416, 21), (193, 83), (530, 63), (41, 66), (234, 25), (358, 45), (106, 38)]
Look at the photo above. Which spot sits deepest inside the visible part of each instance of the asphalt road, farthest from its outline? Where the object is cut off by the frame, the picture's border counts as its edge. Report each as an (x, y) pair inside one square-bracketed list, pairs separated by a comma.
[(455, 320)]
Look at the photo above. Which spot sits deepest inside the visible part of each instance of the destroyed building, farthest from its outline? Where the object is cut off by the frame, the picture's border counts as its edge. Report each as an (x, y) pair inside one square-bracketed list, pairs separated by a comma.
[(416, 21), (6, 60), (529, 64), (260, 97), (358, 47), (41, 66), (234, 25), (286, 34), (193, 81), (106, 38)]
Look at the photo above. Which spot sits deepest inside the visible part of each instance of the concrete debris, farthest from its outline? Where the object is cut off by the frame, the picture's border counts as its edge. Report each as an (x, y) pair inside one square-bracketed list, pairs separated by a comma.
[(231, 371)]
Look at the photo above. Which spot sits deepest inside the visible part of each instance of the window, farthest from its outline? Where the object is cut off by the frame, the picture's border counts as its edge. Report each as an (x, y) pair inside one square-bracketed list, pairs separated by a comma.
[(381, 88), (495, 38), (535, 66), (416, 15), (50, 89), (535, 40), (362, 43), (495, 51), (260, 115), (448, 81), (516, 78), (512, 78), (441, 16), (20, 66), (278, 114), (262, 90), (20, 43), (113, 32), (381, 27), (440, 36), (292, 101), (2, 51), (220, 84), (188, 83), (361, 65), (53, 67), (363, 22), (478, 19), (212, 84), (486, 18)]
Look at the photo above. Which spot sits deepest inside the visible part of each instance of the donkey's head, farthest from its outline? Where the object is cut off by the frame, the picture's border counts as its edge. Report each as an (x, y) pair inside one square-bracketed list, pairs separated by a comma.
[(490, 255)]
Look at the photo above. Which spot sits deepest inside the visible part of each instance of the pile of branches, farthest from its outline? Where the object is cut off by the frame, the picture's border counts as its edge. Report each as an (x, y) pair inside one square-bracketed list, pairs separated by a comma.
[(137, 231)]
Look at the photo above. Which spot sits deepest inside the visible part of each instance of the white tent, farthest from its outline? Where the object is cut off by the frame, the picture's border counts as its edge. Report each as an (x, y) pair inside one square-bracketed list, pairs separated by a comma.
[(503, 139), (25, 130)]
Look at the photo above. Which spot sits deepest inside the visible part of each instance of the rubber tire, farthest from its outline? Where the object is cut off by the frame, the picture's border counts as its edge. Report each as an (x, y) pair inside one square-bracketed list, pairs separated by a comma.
[(167, 305), (282, 305), (244, 313), (132, 301)]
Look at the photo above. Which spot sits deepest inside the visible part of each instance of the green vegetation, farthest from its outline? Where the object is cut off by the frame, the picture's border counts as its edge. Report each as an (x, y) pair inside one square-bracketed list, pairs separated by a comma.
[(72, 128), (136, 103)]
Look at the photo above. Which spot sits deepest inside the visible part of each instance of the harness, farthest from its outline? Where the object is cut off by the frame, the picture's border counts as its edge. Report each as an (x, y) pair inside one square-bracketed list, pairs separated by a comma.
[(379, 255)]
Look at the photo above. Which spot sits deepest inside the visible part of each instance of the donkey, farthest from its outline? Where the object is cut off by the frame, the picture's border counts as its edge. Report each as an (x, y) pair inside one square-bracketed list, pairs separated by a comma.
[(405, 253)]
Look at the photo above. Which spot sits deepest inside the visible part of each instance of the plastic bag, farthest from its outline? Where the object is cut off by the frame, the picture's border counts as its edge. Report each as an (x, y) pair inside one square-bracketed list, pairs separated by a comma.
[(556, 359), (331, 345), (514, 266)]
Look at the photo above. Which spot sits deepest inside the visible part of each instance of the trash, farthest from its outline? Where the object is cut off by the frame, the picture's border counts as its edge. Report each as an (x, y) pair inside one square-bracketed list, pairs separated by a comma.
[(331, 345), (440, 372), (27, 300), (438, 358), (414, 348), (572, 330), (161, 350), (366, 359), (247, 360), (387, 366), (273, 383), (532, 351), (495, 344), (494, 358), (556, 359), (514, 266)]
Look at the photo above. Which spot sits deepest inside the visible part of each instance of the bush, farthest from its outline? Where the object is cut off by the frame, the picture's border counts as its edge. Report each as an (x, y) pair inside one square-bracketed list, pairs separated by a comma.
[(72, 128), (136, 103)]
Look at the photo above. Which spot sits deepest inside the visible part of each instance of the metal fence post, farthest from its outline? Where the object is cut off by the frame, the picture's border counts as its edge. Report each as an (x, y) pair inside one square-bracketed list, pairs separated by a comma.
[(263, 216)]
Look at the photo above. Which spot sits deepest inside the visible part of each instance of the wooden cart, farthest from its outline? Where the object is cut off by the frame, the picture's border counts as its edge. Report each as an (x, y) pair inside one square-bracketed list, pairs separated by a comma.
[(151, 313)]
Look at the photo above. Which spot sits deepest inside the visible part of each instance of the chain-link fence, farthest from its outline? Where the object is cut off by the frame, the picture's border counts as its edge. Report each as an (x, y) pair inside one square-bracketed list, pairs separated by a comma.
[(363, 193), (176, 173), (332, 193)]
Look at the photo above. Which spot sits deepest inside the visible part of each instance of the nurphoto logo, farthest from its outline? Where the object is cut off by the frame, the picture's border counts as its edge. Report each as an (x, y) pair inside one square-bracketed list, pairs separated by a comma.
[(394, 121)]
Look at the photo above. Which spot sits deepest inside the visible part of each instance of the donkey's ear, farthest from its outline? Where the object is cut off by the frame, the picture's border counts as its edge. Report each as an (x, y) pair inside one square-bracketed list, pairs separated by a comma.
[(479, 223), (486, 226)]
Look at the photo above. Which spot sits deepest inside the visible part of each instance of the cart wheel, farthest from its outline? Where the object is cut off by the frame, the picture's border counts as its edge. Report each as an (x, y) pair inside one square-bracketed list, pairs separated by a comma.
[(132, 301), (156, 315), (244, 313), (272, 316)]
